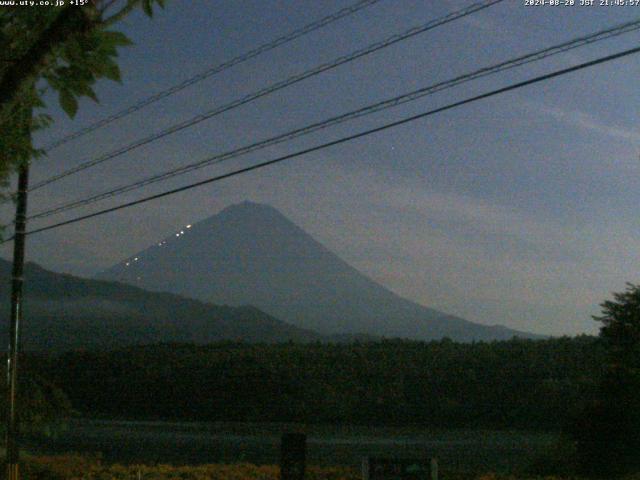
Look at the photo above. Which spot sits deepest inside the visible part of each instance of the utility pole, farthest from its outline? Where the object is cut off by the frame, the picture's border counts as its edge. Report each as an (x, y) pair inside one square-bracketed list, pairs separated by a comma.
[(13, 447)]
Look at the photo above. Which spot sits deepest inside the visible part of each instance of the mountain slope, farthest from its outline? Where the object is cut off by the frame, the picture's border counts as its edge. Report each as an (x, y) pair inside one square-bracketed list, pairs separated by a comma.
[(251, 254), (66, 312)]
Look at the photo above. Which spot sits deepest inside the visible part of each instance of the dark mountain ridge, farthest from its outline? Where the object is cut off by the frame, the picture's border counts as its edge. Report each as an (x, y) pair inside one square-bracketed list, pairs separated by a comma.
[(251, 254), (63, 312)]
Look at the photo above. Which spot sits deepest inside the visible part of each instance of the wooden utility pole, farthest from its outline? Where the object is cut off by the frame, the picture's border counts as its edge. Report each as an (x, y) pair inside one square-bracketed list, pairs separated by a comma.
[(13, 446)]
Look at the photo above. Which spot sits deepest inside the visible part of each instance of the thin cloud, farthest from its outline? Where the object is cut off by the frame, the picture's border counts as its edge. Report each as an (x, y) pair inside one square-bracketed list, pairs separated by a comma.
[(586, 121)]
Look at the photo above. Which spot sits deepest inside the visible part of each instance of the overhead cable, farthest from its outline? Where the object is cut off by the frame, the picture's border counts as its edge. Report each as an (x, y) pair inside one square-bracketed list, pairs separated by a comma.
[(342, 140), (271, 89), (367, 110), (316, 25)]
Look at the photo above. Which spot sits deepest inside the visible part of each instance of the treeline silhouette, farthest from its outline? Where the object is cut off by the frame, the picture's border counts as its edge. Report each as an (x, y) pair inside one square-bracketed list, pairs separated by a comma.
[(528, 384)]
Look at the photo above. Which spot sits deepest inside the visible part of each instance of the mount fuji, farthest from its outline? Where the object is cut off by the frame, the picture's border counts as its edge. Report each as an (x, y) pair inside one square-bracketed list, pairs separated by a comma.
[(251, 254)]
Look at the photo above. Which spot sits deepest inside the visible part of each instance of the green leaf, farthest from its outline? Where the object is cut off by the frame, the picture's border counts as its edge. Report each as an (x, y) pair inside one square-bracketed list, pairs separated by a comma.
[(112, 71), (88, 91), (147, 7), (68, 103), (89, 42), (116, 39), (73, 52)]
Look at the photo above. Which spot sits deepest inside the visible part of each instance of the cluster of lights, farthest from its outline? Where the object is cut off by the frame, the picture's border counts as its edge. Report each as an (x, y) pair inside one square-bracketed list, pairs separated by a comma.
[(181, 232), (129, 263), (160, 244)]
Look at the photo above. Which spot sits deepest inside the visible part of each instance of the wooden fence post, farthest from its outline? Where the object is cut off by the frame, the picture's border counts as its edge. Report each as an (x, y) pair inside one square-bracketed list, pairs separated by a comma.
[(293, 456), (434, 469)]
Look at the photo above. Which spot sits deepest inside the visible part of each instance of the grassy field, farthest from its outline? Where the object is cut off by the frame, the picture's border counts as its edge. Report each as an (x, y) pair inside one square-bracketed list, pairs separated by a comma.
[(259, 443), (119, 450), (74, 467)]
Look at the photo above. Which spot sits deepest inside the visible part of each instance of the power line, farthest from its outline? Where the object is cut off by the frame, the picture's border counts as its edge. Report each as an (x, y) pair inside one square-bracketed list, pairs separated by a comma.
[(370, 109), (339, 141), (273, 88), (311, 27)]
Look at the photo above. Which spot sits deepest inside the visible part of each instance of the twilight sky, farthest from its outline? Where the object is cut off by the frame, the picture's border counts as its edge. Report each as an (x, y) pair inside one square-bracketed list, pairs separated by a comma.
[(519, 210)]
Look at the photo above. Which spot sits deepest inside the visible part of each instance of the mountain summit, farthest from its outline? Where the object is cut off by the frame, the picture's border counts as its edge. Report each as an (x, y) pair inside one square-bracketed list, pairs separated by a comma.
[(252, 254)]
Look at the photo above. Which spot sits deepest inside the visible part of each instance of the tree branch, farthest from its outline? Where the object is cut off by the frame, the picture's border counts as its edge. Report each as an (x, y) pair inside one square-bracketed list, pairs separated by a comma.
[(124, 11), (69, 21)]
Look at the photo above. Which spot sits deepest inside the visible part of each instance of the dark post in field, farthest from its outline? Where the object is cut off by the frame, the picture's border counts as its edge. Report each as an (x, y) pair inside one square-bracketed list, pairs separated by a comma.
[(13, 448), (293, 456)]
